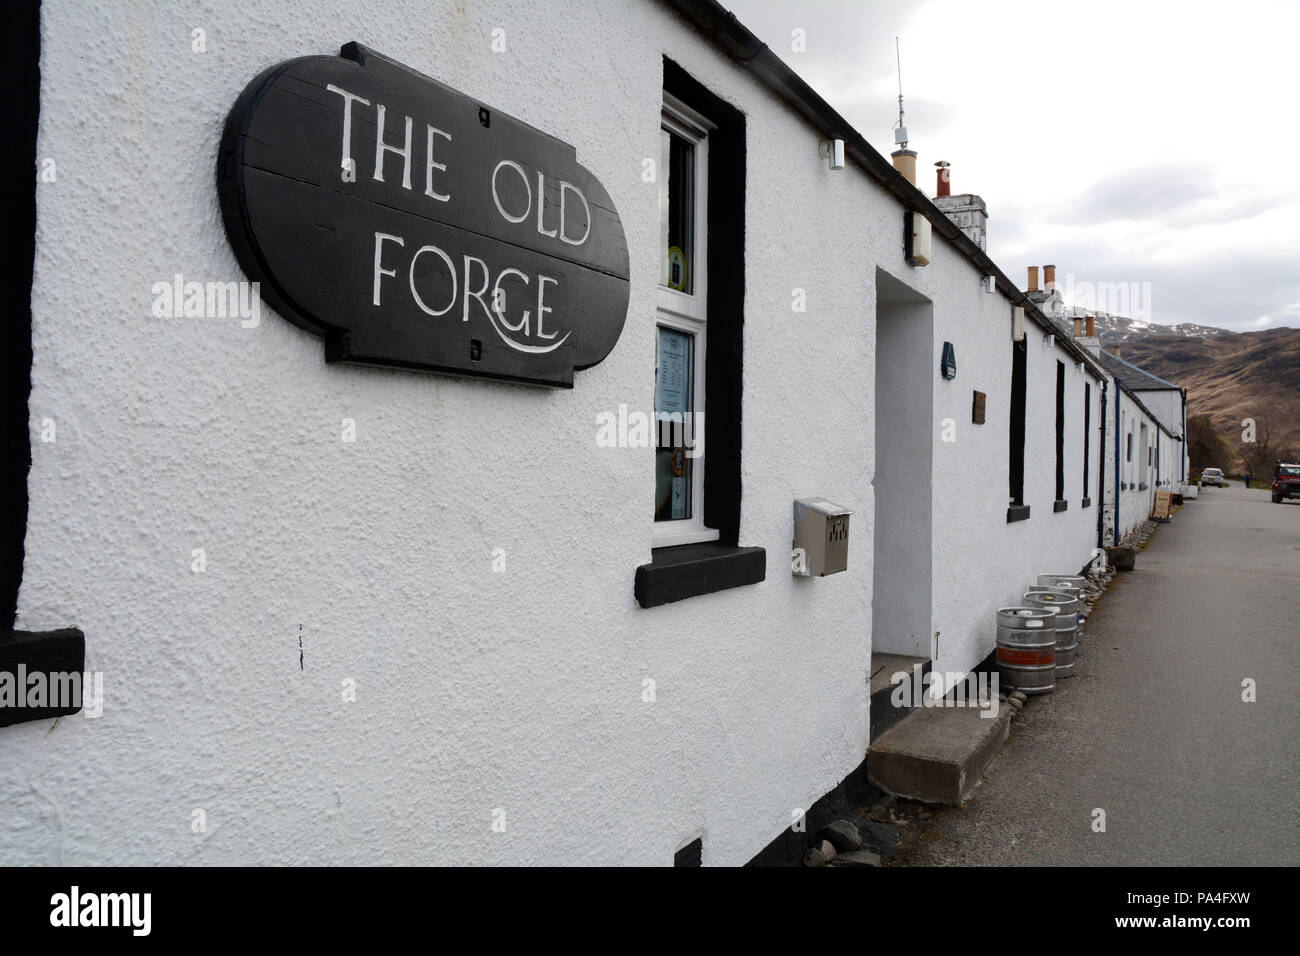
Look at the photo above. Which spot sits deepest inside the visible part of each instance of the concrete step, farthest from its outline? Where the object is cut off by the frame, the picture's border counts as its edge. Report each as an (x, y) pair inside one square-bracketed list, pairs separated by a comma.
[(937, 754), (883, 667)]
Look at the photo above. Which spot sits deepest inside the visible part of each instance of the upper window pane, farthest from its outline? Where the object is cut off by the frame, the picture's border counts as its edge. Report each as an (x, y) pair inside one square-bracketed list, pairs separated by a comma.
[(676, 212)]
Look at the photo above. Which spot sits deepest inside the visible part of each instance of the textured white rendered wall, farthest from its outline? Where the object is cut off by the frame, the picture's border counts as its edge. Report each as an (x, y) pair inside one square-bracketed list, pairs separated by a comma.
[(1134, 503), (475, 690), (1166, 405), (981, 562)]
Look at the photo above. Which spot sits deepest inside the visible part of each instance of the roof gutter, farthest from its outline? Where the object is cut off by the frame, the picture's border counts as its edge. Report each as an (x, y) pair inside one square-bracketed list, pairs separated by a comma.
[(735, 39)]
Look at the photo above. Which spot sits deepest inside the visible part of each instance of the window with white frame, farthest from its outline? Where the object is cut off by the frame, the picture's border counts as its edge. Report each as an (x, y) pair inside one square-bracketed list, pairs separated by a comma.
[(681, 321)]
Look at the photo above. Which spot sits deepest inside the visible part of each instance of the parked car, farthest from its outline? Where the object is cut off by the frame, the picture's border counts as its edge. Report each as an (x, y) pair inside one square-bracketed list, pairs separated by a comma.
[(1212, 476), (1286, 481)]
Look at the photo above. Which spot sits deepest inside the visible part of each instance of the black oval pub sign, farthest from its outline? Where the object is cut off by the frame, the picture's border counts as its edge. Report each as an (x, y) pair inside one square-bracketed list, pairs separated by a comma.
[(414, 227)]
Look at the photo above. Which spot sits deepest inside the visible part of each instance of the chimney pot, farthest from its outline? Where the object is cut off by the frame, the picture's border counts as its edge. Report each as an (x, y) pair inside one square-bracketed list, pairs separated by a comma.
[(1078, 326), (1033, 279), (943, 186), (1092, 329), (1049, 278), (905, 163)]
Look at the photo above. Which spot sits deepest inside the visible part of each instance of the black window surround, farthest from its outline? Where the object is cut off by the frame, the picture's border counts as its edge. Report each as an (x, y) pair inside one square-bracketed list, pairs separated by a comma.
[(1060, 434), (48, 653), (1016, 450), (689, 570)]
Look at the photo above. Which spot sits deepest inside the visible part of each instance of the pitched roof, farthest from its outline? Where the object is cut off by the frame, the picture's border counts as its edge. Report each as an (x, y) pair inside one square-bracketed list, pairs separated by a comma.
[(1134, 379), (727, 33)]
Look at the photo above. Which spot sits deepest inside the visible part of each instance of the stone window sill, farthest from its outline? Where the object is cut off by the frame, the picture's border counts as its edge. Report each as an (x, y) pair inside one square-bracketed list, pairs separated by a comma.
[(689, 570), (41, 652), (1086, 503), (1059, 505), (1017, 513)]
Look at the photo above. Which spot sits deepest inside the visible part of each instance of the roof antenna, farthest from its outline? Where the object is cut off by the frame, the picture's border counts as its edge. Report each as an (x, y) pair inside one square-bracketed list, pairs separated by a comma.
[(900, 131)]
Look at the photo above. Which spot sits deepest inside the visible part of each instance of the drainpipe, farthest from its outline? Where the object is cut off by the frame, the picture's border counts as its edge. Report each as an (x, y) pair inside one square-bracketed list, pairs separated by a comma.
[(1157, 457), (1101, 470), (1182, 457), (1118, 394)]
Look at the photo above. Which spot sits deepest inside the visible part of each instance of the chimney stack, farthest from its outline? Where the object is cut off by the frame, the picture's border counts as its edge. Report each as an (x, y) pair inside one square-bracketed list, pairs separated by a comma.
[(905, 163), (1033, 279), (1078, 327), (1049, 278), (966, 211), (1092, 329), (942, 186)]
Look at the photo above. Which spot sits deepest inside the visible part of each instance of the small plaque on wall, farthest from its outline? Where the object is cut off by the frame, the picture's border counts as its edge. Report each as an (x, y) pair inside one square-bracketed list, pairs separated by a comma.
[(977, 409)]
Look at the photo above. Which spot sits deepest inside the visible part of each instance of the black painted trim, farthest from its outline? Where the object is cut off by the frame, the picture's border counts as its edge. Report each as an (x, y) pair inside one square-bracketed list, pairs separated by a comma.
[(1017, 513), (883, 712), (1060, 433), (1016, 444), (843, 801), (724, 360), (690, 570), (720, 26), (1059, 505), (690, 855), (1086, 503), (22, 84), (44, 652)]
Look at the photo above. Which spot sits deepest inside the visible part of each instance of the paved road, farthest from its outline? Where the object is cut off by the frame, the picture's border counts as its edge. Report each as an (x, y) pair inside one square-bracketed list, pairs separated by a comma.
[(1153, 729)]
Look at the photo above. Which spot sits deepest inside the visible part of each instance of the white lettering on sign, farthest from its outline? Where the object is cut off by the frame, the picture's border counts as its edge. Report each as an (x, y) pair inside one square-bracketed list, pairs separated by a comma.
[(472, 284), (348, 99), (560, 231), (379, 251), (381, 147), (496, 197), (541, 206), (474, 278), (432, 165), (451, 273)]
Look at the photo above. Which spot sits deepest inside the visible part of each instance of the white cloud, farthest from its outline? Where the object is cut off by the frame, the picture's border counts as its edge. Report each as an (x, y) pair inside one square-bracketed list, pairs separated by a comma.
[(1144, 137)]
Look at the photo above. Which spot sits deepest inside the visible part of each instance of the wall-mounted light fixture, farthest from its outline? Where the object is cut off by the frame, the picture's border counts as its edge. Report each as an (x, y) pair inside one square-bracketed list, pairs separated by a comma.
[(990, 283), (1050, 339), (833, 152), (916, 239), (1017, 323), (948, 363)]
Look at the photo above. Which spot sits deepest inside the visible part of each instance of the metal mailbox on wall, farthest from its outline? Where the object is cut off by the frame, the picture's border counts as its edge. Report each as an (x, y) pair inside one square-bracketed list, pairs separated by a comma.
[(821, 538)]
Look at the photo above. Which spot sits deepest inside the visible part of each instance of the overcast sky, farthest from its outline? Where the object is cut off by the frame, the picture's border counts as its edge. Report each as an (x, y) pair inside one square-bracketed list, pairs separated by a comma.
[(1125, 142)]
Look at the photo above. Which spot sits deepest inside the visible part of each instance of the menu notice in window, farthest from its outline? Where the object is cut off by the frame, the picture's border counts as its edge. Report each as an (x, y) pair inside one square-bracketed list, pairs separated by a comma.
[(672, 401)]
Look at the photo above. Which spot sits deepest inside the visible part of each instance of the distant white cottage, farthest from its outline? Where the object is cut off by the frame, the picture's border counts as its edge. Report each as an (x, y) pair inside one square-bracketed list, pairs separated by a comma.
[(478, 544)]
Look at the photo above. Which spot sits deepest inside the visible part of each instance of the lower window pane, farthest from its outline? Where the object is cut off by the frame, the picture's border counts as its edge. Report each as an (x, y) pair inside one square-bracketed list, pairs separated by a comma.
[(674, 393)]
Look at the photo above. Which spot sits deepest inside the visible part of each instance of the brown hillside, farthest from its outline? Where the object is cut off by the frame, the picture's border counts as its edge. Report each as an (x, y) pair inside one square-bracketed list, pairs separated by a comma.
[(1229, 377)]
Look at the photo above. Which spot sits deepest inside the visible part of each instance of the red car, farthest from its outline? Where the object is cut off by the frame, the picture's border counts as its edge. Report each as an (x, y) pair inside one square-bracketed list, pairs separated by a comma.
[(1286, 481)]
